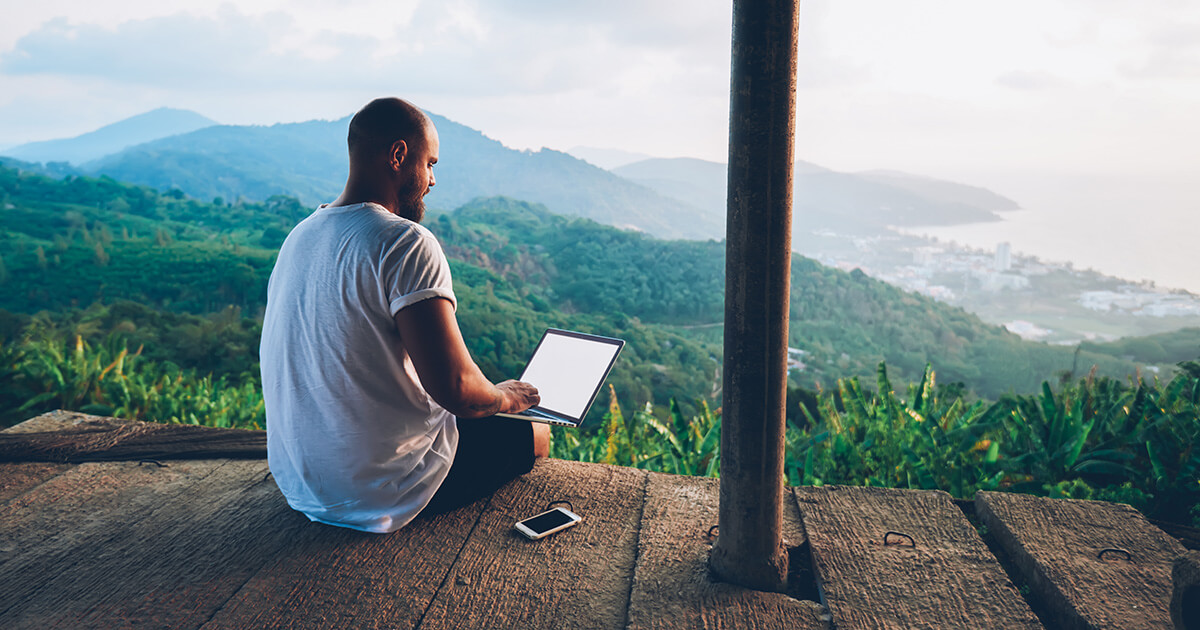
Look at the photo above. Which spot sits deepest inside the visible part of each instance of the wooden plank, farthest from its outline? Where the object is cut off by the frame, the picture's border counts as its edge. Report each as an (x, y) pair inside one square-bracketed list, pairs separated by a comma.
[(105, 441), (671, 585), (1055, 544), (17, 479), (578, 578), (120, 545), (60, 419), (946, 579), (332, 577)]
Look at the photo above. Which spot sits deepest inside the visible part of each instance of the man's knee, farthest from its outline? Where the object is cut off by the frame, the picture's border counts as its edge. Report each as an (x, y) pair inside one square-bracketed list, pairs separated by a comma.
[(541, 440)]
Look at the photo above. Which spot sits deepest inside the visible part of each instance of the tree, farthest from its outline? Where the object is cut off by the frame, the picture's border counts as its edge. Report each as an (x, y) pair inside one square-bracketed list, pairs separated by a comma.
[(101, 256)]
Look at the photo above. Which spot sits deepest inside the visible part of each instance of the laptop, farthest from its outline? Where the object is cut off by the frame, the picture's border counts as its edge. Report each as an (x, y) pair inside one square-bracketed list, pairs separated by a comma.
[(568, 368)]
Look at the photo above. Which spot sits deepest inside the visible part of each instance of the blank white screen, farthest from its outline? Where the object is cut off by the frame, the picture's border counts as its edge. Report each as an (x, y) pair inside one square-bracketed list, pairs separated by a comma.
[(567, 370)]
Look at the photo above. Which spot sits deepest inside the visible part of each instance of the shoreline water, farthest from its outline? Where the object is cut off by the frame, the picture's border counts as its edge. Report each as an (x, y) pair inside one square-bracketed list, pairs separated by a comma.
[(1137, 248)]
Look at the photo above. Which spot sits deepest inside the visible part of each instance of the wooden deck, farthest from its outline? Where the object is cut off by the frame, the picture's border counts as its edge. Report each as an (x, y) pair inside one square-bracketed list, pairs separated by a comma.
[(210, 543)]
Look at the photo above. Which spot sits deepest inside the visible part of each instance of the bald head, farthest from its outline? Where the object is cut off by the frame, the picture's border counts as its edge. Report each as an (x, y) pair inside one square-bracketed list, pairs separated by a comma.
[(393, 147), (383, 121)]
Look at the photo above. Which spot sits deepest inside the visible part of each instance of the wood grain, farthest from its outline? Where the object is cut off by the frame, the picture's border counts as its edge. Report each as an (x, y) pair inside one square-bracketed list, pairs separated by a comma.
[(672, 587), (333, 577), (17, 479), (98, 442), (120, 545), (948, 580), (1055, 544), (577, 578)]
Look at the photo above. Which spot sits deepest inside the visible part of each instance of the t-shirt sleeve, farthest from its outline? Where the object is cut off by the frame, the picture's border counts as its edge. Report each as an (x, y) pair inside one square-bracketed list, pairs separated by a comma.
[(417, 270)]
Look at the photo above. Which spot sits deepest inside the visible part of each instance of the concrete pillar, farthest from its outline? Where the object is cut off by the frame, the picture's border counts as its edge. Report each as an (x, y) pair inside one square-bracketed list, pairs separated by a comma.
[(749, 548)]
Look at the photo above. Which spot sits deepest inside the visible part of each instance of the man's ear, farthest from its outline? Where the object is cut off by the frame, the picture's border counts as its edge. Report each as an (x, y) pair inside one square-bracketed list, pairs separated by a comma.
[(398, 153)]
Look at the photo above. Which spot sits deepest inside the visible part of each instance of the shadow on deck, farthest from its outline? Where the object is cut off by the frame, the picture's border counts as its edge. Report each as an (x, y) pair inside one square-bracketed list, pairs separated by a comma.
[(210, 543)]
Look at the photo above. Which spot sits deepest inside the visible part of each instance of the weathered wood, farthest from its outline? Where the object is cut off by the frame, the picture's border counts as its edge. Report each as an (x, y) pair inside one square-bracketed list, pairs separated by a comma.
[(937, 573), (332, 577), (672, 587), (1187, 536), (1185, 595), (16, 479), (578, 578), (120, 545), (60, 419), (102, 441), (1056, 544)]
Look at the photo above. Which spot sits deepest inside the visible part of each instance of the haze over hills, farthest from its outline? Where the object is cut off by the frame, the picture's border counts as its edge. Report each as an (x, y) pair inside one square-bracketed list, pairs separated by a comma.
[(669, 198), (829, 200), (308, 160), (939, 190), (152, 125), (607, 158)]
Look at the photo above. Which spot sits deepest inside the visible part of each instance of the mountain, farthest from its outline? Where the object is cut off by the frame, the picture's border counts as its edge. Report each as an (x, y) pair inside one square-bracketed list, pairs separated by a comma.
[(305, 160), (152, 125), (668, 198), (828, 200), (308, 160), (939, 190), (697, 182)]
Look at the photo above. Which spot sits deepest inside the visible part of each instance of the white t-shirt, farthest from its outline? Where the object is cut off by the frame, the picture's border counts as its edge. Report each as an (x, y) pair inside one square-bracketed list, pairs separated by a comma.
[(353, 439)]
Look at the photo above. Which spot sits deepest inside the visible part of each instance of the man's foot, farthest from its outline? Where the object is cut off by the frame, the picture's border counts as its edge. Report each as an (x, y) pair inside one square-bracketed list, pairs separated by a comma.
[(541, 439)]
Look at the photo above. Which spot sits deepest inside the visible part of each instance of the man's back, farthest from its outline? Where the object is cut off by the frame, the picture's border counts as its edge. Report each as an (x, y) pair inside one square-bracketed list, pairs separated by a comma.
[(353, 438)]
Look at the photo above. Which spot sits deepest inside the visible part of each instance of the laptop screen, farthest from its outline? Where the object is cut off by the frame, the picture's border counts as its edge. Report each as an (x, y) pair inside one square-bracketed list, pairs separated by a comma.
[(568, 369)]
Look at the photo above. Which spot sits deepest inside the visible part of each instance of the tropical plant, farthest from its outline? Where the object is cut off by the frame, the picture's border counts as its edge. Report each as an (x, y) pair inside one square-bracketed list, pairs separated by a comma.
[(109, 380), (678, 444), (921, 440)]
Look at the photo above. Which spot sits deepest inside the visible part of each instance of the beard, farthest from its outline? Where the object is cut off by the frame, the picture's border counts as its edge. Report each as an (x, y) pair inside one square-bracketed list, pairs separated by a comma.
[(413, 208)]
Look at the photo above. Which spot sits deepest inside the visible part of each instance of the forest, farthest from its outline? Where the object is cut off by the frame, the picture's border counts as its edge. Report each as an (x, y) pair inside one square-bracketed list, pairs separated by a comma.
[(120, 300)]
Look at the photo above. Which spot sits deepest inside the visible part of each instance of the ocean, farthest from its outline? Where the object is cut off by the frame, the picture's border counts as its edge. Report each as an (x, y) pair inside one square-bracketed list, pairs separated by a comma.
[(1136, 231)]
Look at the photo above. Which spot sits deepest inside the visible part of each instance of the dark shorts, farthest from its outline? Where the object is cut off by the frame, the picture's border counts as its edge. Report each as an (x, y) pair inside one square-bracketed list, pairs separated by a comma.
[(491, 452)]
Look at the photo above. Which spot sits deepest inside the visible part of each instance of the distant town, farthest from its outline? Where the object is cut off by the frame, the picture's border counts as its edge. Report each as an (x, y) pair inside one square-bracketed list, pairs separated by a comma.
[(1036, 299)]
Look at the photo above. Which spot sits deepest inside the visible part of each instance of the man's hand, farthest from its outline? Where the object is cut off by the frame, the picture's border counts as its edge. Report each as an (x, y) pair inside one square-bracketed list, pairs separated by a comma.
[(518, 396), (431, 336)]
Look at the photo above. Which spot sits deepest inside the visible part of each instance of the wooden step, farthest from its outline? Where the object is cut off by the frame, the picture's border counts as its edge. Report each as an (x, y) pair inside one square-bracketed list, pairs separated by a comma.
[(1093, 564), (140, 545), (672, 587), (17, 479), (333, 577), (577, 578), (934, 571)]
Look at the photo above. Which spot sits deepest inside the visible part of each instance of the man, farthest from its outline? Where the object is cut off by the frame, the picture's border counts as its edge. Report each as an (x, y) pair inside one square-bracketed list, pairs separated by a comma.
[(375, 409)]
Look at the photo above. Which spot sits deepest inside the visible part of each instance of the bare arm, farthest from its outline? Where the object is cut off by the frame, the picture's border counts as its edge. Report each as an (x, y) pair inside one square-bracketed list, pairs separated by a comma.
[(431, 336)]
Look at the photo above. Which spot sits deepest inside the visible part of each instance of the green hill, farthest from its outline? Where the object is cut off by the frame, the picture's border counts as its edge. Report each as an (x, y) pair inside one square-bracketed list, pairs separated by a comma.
[(308, 160), (126, 263), (519, 268), (843, 323), (1158, 349)]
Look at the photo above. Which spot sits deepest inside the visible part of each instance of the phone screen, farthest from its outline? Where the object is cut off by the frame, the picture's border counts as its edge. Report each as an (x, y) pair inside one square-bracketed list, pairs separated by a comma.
[(548, 521)]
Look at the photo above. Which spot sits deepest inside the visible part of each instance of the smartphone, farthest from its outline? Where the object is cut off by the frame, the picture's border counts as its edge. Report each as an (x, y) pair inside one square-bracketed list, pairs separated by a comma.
[(547, 523)]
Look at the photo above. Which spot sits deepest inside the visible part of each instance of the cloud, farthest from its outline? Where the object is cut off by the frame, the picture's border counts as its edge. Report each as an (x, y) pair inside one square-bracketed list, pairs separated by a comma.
[(164, 51), (1172, 52), (1030, 80), (527, 48)]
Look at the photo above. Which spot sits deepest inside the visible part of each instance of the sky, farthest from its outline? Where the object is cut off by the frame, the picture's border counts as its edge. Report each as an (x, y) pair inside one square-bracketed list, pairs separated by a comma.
[(1004, 94)]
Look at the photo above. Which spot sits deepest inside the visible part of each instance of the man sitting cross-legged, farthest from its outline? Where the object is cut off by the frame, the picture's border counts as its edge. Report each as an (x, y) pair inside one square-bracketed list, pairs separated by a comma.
[(375, 409)]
